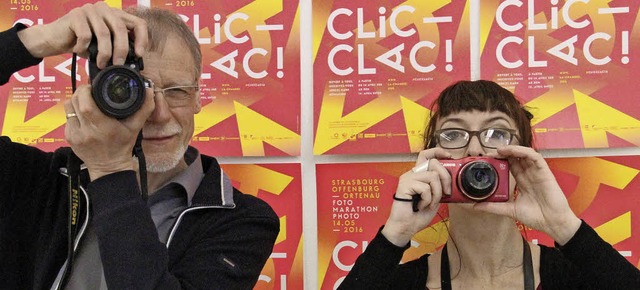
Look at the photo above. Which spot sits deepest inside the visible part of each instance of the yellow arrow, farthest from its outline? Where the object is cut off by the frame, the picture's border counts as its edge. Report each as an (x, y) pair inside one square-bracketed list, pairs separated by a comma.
[(597, 119), (23, 131), (262, 178), (260, 11), (616, 230), (415, 120), (282, 235), (550, 103), (321, 11), (212, 114), (261, 129), (429, 240), (488, 12), (331, 121), (592, 172), (114, 3)]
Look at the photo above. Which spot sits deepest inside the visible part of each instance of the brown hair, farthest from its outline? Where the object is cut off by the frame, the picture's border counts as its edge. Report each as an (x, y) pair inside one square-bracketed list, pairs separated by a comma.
[(481, 95), (162, 23)]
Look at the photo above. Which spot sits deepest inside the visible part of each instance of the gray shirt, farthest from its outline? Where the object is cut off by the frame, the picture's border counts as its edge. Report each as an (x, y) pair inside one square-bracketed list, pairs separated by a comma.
[(165, 205)]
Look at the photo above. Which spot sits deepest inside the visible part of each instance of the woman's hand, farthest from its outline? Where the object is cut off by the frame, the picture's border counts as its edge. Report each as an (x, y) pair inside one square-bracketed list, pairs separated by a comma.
[(430, 183), (540, 203)]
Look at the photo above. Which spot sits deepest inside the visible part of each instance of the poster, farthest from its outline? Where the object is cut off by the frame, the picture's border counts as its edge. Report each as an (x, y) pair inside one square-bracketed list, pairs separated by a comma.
[(603, 191), (32, 102), (378, 66), (250, 87), (280, 186), (251, 75), (354, 201), (574, 64)]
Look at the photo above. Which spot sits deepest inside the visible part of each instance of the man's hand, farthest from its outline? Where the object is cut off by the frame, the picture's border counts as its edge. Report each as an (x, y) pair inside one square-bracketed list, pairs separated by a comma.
[(73, 32)]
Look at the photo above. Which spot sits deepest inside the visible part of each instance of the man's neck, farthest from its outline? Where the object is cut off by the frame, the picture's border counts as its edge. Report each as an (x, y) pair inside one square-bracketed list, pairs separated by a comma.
[(157, 179)]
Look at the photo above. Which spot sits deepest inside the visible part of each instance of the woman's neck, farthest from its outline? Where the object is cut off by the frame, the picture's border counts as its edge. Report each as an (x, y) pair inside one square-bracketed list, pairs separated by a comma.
[(488, 245)]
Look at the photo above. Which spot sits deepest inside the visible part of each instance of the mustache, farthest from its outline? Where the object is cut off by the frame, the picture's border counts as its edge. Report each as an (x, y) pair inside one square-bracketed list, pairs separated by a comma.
[(153, 130)]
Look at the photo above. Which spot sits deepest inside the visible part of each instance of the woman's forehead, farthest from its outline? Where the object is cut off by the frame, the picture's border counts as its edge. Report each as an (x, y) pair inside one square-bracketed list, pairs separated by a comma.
[(475, 118)]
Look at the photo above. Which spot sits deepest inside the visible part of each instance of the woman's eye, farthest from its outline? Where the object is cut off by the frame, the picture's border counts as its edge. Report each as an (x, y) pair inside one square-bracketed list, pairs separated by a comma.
[(453, 135)]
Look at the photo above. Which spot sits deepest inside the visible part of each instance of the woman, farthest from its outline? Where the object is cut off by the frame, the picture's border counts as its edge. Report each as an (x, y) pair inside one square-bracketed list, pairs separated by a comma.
[(485, 249)]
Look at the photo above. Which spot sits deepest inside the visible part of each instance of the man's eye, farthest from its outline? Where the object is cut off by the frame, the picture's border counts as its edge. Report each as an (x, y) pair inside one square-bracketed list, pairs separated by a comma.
[(177, 93)]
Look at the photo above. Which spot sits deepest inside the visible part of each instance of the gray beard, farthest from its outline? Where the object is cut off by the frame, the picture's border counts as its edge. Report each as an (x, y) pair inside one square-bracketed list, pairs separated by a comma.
[(163, 162)]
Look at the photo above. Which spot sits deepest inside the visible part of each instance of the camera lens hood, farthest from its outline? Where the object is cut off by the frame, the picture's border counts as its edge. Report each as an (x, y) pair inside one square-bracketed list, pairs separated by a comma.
[(478, 180), (118, 91)]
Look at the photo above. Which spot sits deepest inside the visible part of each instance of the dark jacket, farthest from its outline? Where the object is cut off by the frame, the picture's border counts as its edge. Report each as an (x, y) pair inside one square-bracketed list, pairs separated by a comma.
[(585, 262), (220, 242)]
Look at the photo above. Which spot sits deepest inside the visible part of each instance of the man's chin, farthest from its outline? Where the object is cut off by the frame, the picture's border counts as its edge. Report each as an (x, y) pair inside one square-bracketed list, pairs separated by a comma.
[(162, 162), (160, 167)]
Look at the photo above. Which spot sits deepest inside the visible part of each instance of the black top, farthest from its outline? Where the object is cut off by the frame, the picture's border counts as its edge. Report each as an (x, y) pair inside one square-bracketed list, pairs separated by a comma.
[(13, 55), (585, 262)]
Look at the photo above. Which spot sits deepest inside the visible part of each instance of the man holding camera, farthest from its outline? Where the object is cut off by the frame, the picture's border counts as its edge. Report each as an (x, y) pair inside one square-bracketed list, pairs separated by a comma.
[(193, 231)]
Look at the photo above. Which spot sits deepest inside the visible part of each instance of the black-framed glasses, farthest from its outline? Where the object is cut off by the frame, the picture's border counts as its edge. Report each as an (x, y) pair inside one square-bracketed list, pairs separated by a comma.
[(455, 138), (178, 96)]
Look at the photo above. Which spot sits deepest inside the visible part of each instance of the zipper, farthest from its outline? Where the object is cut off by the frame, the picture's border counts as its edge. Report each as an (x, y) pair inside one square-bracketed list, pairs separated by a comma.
[(179, 220)]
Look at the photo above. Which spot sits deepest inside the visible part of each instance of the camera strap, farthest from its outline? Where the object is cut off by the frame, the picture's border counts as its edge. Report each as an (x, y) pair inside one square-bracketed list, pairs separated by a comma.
[(73, 189), (137, 148), (73, 72), (142, 166), (527, 268)]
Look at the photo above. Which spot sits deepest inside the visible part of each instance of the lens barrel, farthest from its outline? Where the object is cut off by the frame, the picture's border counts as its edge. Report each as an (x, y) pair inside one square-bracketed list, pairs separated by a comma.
[(118, 91), (478, 180)]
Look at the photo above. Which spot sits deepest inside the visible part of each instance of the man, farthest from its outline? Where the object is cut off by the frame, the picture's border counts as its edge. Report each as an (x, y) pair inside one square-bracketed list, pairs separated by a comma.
[(195, 231)]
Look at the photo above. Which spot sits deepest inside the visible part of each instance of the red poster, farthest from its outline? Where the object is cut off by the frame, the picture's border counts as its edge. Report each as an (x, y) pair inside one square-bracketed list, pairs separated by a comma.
[(280, 186), (603, 191), (31, 103), (574, 64), (251, 75), (354, 202), (378, 65)]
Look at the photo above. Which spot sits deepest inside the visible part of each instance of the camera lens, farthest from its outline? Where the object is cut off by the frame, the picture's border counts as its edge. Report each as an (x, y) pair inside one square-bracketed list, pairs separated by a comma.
[(478, 180), (118, 91)]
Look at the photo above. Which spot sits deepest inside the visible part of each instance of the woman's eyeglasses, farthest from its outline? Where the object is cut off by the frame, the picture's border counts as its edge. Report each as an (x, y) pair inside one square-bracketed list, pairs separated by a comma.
[(454, 138)]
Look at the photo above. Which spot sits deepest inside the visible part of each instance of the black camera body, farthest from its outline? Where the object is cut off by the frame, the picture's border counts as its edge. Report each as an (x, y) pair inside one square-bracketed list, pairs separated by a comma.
[(118, 90), (476, 179)]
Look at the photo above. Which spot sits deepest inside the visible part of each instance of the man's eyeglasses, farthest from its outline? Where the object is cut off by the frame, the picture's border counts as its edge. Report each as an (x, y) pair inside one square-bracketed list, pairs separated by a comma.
[(178, 96), (454, 138)]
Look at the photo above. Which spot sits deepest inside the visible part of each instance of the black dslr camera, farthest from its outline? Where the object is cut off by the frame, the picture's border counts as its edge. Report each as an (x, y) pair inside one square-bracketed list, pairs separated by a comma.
[(118, 90)]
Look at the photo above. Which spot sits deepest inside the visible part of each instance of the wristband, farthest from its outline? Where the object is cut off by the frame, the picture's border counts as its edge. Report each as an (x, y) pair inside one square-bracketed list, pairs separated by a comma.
[(402, 199), (414, 200)]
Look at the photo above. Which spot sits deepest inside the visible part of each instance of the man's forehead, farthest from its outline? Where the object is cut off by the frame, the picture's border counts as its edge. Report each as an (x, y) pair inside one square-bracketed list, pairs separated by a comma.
[(156, 60)]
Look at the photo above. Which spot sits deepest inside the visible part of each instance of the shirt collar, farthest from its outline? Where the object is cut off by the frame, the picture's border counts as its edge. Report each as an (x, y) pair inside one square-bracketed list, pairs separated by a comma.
[(190, 178)]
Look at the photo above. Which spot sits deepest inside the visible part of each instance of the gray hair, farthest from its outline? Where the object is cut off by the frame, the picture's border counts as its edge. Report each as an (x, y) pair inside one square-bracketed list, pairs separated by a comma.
[(160, 24)]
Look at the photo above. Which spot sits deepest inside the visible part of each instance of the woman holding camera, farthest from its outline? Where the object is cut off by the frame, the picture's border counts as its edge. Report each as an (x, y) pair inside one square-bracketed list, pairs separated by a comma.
[(485, 250)]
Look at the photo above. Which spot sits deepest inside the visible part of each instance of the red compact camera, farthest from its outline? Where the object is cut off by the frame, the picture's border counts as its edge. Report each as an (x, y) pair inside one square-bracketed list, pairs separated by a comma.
[(476, 179)]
